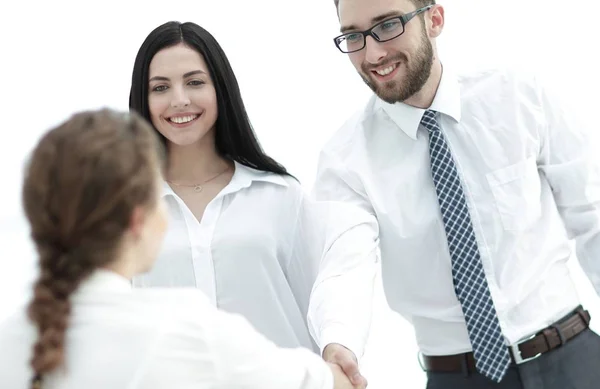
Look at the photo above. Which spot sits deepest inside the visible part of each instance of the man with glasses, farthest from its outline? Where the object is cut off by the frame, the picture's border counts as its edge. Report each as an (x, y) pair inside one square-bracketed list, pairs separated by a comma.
[(478, 183)]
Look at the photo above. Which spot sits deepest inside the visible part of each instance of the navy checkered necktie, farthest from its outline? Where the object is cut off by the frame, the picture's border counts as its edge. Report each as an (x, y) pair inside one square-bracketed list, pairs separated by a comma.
[(491, 354)]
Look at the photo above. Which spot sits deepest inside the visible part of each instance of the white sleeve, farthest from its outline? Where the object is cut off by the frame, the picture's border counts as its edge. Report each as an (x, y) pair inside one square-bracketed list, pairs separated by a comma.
[(200, 346), (247, 360), (332, 271), (342, 299), (569, 160)]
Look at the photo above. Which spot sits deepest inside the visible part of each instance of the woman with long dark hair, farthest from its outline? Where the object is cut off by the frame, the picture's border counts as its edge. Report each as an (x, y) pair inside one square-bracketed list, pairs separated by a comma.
[(92, 197), (242, 229)]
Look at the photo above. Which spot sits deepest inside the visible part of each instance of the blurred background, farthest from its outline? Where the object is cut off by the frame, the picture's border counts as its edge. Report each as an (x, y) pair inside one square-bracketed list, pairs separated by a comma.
[(60, 57)]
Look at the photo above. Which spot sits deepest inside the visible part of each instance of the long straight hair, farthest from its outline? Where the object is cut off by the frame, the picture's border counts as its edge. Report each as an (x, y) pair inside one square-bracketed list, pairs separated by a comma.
[(234, 136)]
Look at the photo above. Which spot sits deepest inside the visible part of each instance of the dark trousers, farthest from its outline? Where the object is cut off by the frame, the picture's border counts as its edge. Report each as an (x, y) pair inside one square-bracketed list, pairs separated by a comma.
[(576, 365)]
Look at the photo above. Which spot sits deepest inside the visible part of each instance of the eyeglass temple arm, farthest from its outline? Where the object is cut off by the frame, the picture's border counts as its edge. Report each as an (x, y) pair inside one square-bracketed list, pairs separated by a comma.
[(405, 18)]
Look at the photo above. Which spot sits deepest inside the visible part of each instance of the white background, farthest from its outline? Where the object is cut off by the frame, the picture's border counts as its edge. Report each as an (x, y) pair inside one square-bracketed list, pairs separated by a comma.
[(58, 57)]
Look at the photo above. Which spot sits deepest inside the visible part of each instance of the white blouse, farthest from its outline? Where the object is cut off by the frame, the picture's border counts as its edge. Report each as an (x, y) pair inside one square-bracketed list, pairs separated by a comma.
[(119, 337), (261, 246)]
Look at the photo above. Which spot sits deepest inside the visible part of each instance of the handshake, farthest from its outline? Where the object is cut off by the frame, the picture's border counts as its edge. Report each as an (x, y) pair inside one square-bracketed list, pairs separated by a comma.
[(344, 367)]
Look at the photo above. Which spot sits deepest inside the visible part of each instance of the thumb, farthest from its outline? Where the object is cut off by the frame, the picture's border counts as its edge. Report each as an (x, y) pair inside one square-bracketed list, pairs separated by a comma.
[(350, 368)]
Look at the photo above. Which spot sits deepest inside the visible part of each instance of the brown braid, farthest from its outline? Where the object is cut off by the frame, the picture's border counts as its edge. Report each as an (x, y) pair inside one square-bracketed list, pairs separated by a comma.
[(83, 181)]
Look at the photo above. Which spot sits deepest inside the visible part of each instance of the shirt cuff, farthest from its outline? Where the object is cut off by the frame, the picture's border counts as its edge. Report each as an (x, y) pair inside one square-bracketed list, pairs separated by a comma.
[(337, 333)]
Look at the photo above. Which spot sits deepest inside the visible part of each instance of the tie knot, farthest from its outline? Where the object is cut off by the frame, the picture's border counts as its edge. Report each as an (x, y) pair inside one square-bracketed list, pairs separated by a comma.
[(429, 121)]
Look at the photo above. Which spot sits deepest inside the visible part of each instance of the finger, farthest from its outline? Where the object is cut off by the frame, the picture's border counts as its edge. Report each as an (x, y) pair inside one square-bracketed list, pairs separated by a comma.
[(350, 368), (361, 384)]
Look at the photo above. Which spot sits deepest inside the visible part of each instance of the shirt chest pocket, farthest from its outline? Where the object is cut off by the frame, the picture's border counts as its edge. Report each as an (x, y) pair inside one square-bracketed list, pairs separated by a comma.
[(516, 194)]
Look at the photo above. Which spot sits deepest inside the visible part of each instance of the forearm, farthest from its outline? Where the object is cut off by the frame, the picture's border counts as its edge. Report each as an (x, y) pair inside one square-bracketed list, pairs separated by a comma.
[(341, 301), (340, 310)]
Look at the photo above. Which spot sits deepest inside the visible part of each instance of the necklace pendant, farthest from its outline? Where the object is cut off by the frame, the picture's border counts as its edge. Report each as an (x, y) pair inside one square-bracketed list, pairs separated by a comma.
[(198, 188)]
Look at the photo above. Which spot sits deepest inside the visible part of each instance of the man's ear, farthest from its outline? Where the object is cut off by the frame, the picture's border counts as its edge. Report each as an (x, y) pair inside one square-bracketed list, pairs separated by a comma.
[(436, 21)]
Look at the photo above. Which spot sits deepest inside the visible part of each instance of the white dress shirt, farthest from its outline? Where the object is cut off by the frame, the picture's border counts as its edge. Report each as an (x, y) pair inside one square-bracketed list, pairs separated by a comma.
[(261, 246), (530, 182), (127, 338)]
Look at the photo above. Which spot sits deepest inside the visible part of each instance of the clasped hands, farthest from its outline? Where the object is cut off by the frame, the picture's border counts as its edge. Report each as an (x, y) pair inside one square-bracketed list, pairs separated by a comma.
[(344, 366)]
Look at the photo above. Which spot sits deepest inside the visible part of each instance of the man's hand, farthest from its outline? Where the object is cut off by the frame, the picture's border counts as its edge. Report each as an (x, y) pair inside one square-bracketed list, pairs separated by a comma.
[(344, 358), (340, 380)]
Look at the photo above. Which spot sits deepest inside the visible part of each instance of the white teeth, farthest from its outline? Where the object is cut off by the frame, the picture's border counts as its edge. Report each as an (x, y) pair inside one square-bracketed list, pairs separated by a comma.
[(386, 71), (183, 119)]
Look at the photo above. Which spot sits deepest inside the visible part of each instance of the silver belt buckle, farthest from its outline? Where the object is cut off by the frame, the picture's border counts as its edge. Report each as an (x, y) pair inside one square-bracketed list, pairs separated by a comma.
[(516, 353)]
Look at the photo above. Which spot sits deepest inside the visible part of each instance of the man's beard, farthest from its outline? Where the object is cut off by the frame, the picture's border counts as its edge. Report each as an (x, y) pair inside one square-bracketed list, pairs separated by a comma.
[(417, 74)]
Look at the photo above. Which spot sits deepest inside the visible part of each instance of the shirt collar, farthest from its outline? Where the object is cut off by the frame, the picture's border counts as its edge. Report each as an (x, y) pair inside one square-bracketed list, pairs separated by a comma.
[(243, 177), (446, 101), (105, 280)]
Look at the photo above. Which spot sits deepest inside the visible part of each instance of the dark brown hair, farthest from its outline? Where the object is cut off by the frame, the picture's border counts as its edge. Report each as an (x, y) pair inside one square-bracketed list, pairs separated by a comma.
[(82, 183)]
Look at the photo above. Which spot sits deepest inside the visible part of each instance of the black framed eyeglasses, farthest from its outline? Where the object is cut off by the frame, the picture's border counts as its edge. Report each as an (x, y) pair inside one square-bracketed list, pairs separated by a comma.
[(382, 32)]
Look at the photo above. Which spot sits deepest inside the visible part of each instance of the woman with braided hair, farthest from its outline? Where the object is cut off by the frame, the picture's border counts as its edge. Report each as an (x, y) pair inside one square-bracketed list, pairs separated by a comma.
[(92, 197)]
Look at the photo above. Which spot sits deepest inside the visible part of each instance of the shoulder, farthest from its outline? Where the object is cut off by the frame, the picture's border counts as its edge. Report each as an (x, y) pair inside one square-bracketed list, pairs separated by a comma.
[(341, 144), (278, 189), (247, 176), (290, 200), (505, 81), (183, 316), (176, 300), (142, 307)]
